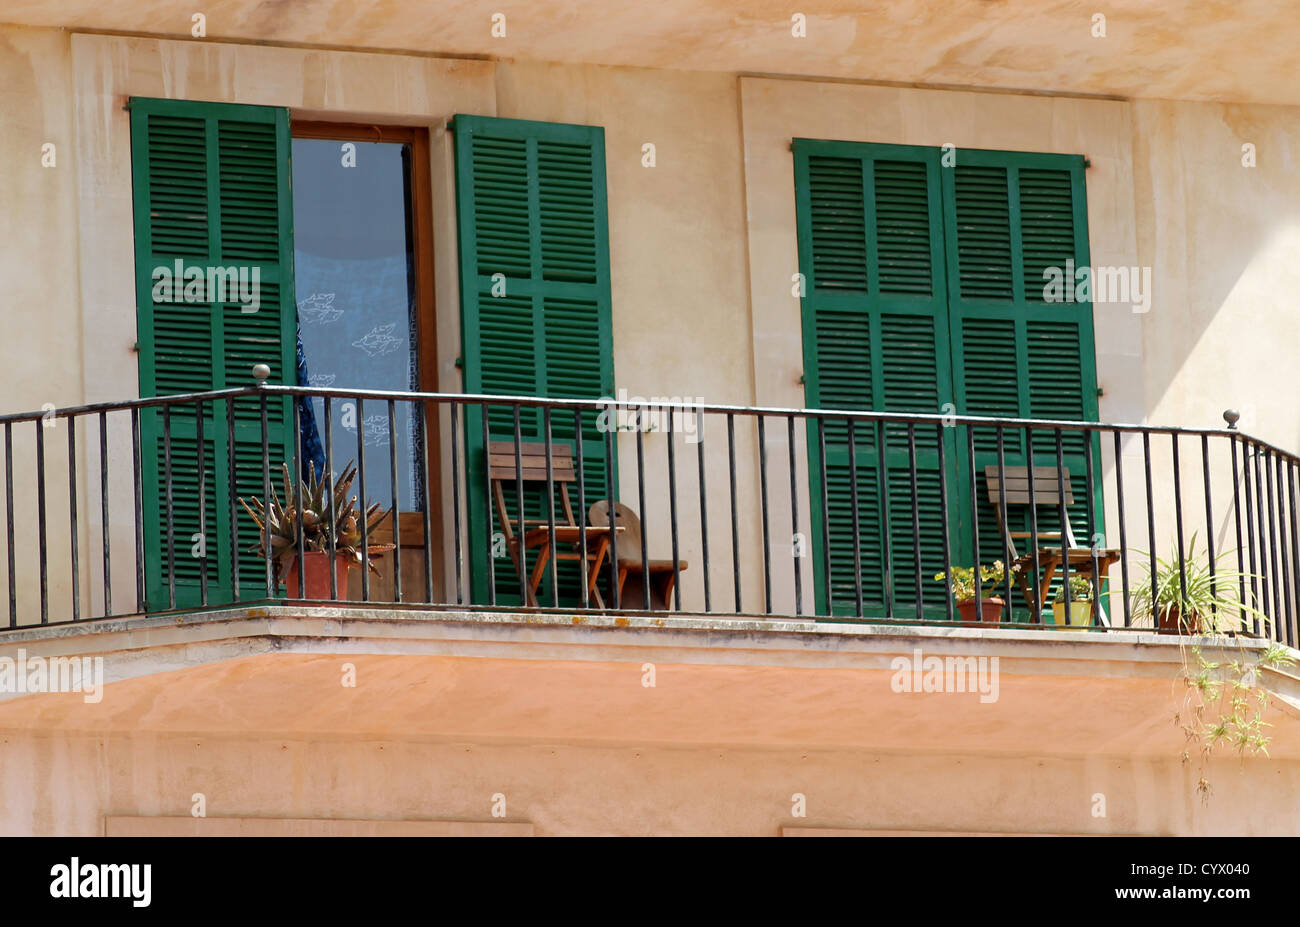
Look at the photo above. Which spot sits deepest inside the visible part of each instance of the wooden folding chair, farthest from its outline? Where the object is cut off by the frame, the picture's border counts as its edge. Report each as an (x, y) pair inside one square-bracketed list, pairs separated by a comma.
[(1048, 484), (661, 576), (530, 533)]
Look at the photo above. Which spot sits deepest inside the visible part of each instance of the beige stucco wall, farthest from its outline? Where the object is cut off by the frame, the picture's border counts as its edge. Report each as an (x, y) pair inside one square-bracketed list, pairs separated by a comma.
[(69, 784), (702, 244)]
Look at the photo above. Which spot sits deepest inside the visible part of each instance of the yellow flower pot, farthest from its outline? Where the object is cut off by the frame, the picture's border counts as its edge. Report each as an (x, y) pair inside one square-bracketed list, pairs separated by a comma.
[(1080, 616)]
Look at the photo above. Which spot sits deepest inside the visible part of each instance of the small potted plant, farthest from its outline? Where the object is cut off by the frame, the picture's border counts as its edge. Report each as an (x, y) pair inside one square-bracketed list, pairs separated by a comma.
[(1078, 600), (317, 530), (1194, 600), (988, 610)]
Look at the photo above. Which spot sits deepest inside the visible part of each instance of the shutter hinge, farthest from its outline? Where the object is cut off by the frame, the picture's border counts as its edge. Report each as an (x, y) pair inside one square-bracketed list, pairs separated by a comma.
[(803, 379), (460, 363), (1101, 391), (1087, 162), (135, 347)]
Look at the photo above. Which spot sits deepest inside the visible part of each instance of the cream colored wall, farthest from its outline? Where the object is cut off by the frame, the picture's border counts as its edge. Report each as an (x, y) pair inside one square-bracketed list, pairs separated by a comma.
[(702, 245), (68, 784), (41, 347), (1222, 240)]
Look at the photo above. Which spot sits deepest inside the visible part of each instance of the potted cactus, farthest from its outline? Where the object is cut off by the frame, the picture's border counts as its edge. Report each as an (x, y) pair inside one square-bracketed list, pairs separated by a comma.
[(988, 610), (317, 530)]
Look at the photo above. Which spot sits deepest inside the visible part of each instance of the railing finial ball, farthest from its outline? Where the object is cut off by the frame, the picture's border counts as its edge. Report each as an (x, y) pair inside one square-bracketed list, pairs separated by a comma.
[(1231, 416), (261, 372)]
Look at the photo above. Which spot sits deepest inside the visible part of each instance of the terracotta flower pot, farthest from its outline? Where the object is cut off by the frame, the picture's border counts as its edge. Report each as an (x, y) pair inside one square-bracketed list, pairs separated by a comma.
[(989, 611), (316, 576), (1173, 622)]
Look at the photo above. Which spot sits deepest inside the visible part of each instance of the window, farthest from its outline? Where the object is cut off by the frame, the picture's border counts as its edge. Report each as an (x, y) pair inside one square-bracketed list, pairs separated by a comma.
[(924, 287), (356, 285)]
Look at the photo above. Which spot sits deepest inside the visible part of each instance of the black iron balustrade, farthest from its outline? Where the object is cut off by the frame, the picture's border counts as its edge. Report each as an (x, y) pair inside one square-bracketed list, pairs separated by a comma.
[(872, 503)]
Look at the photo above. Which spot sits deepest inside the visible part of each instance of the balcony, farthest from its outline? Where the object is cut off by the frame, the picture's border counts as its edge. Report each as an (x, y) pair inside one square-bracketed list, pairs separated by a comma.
[(143, 507)]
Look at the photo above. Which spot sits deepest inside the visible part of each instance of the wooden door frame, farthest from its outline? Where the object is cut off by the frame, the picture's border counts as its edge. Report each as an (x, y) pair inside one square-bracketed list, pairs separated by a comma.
[(422, 243)]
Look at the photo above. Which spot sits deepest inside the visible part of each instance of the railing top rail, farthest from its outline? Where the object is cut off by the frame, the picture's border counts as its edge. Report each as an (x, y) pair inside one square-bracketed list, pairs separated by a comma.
[(639, 402)]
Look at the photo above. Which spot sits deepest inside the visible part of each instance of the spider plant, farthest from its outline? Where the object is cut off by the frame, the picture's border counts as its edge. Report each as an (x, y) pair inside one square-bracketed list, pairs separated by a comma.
[(1194, 599), (317, 528)]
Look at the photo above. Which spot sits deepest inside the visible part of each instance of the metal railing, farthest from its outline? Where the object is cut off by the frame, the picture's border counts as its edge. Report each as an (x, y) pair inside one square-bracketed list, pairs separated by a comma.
[(828, 514)]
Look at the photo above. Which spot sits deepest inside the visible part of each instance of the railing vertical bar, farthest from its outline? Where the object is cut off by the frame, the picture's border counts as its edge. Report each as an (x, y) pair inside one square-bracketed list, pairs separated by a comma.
[(328, 477), (103, 513), (200, 442), (395, 514), (796, 539), (615, 568), (587, 579), (704, 508), (232, 495), (1066, 531), (169, 508), (1265, 577), (1295, 538), (672, 511), (1236, 517), (137, 489), (1123, 529), (520, 548), (458, 555), (40, 515), (1033, 524), (974, 526), (1091, 525), (299, 528), (266, 488), (487, 507), (9, 526), (1002, 513), (916, 515), (72, 518), (886, 534), (735, 524), (1178, 515), (643, 415), (1209, 520), (550, 505), (1256, 591), (1151, 522), (767, 538), (361, 500), (854, 519), (826, 518), (947, 544), (1272, 538), (1282, 551)]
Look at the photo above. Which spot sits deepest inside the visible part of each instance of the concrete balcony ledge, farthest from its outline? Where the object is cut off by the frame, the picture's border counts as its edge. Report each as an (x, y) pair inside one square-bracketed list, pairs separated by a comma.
[(502, 676), (156, 642)]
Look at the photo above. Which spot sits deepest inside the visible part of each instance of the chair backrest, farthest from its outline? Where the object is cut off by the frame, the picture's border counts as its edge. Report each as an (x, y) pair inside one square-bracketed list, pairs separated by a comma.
[(1012, 486), (502, 472), (629, 539)]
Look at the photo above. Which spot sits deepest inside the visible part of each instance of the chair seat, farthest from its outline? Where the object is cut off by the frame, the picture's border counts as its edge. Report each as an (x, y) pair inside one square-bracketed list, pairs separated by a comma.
[(1076, 555), (655, 566)]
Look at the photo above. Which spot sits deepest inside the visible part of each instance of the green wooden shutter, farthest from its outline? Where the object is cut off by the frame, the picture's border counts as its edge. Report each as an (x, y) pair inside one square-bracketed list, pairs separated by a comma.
[(875, 336), (531, 206), (1008, 217), (211, 189)]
